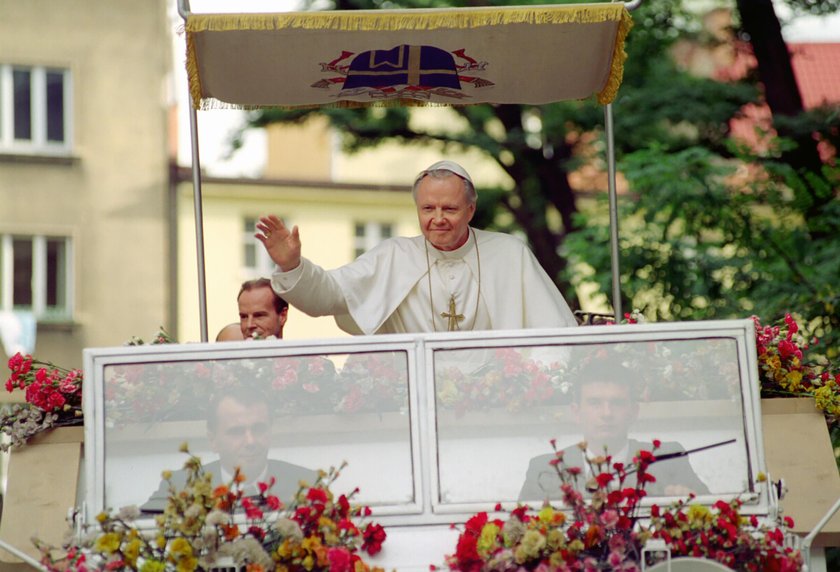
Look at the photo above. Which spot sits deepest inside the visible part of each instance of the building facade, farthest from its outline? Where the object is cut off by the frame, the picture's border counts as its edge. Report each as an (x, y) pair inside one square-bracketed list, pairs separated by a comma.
[(84, 174)]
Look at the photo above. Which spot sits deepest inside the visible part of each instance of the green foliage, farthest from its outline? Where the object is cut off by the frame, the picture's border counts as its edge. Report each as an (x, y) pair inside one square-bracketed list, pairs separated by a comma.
[(705, 237)]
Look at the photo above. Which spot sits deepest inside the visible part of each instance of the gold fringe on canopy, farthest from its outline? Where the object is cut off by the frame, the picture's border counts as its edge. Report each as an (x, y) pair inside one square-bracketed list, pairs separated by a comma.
[(414, 19), (384, 21)]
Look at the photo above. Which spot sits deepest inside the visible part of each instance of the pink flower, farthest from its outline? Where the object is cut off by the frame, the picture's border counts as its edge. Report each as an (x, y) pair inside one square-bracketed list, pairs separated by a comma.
[(610, 518), (340, 560)]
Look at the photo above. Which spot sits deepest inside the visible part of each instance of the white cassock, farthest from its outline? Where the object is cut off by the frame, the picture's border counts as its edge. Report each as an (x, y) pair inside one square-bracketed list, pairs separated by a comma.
[(495, 284)]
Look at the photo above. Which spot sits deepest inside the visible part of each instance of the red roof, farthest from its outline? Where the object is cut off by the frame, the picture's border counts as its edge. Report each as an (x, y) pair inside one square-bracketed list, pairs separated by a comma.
[(817, 71)]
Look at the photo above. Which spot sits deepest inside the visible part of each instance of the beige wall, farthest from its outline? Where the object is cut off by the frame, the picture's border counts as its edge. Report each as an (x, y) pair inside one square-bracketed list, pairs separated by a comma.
[(325, 216), (111, 198)]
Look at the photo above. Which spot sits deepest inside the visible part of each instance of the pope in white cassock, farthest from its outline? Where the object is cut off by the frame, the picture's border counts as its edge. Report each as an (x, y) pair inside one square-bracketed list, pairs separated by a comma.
[(453, 277)]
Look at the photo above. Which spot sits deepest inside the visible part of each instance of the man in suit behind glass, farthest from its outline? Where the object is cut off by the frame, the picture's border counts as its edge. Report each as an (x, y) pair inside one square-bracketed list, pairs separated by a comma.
[(605, 407), (239, 431)]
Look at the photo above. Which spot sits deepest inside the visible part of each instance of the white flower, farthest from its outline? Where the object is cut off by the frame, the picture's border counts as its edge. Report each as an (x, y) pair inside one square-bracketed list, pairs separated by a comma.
[(216, 517), (129, 513), (288, 529)]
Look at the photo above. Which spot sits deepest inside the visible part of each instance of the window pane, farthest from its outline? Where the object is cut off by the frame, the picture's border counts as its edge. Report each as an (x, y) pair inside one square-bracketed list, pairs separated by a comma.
[(359, 229), (387, 231), (250, 255), (22, 86), (250, 225), (56, 273), (22, 293), (55, 106)]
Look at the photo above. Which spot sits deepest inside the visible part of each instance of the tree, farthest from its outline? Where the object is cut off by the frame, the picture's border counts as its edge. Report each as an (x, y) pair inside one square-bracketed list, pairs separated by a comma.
[(721, 231)]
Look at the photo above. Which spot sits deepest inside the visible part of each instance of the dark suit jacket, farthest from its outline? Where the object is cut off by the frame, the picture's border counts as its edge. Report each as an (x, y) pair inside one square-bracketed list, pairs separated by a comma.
[(288, 477), (542, 482)]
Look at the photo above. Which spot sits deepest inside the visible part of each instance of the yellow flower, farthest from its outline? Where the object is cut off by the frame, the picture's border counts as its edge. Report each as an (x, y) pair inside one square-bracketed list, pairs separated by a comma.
[(546, 515), (152, 566), (132, 551), (556, 560), (555, 538), (187, 564), (826, 399), (308, 563), (310, 544), (698, 515), (101, 517), (108, 543), (488, 540), (532, 544), (793, 379), (286, 549), (180, 548)]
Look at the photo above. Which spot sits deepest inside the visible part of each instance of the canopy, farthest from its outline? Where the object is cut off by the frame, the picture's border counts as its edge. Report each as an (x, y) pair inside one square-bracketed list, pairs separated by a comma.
[(451, 56)]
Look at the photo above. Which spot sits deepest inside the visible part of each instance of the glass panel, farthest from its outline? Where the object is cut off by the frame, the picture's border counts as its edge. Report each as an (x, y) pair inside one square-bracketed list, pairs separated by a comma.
[(55, 106), (387, 231), (22, 87), (287, 416), (56, 273), (249, 225), (359, 230), (22, 288), (498, 410)]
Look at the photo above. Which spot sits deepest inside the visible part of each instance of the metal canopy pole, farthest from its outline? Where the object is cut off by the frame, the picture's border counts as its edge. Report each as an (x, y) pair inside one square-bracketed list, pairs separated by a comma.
[(613, 193), (199, 224), (184, 12), (616, 276)]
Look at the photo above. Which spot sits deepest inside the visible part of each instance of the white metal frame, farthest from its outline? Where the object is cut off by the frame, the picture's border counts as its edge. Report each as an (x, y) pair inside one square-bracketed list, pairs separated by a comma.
[(425, 509)]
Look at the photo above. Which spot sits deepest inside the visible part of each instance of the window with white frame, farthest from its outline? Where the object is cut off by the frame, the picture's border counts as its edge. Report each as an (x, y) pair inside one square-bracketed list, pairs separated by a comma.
[(256, 261), (35, 109), (369, 234), (35, 275)]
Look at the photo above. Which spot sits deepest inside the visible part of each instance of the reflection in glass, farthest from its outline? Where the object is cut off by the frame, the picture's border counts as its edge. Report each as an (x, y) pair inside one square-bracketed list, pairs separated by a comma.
[(496, 419), (301, 413)]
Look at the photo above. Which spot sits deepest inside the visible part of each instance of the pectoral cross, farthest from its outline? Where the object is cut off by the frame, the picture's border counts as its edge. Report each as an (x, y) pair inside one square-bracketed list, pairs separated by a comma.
[(452, 316)]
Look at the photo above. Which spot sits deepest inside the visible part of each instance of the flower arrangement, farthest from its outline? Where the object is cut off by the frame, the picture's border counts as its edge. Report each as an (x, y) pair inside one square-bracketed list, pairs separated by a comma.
[(510, 380), (604, 532), (53, 398), (295, 384), (786, 368), (198, 531), (373, 382)]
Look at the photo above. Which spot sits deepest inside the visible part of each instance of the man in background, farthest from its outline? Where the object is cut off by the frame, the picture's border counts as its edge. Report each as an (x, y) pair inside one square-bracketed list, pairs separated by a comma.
[(605, 406), (262, 313), (239, 431)]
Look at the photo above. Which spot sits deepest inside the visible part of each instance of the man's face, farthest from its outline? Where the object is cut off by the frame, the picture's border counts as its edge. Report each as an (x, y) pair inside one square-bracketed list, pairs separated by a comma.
[(242, 436), (605, 412), (257, 315), (444, 211)]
